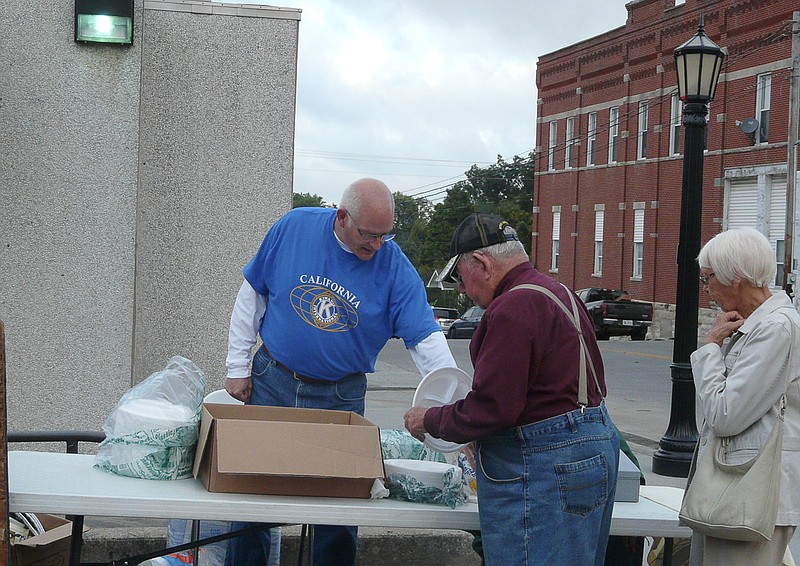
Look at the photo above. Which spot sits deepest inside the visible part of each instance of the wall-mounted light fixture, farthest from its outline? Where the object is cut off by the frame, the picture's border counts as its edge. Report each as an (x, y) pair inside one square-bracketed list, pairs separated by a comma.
[(104, 21)]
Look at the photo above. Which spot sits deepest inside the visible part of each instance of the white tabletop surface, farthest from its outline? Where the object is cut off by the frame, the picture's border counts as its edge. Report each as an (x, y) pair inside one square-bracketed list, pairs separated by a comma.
[(68, 484)]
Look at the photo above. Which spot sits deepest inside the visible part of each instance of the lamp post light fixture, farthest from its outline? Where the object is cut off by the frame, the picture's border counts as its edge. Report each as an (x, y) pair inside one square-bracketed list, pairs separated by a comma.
[(698, 63)]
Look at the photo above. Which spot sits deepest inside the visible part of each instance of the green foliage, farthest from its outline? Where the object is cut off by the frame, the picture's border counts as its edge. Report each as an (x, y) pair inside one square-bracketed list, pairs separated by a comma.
[(307, 199), (410, 225), (505, 189)]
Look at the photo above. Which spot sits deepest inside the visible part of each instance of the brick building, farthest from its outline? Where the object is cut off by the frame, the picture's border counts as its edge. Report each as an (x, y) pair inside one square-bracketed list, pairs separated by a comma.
[(609, 157)]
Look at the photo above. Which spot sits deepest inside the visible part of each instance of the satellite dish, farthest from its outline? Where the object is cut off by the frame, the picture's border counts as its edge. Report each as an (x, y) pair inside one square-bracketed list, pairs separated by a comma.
[(748, 126)]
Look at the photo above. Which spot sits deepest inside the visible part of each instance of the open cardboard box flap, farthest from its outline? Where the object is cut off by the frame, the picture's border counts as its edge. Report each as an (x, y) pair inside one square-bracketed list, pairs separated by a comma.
[(56, 529)]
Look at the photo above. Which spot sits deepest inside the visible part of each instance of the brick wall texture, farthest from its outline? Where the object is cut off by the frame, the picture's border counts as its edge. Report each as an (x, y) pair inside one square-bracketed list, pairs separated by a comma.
[(620, 69)]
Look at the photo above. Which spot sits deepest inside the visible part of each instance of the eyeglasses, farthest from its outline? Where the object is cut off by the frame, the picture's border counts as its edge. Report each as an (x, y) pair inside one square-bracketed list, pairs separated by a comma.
[(455, 276), (369, 236), (704, 278)]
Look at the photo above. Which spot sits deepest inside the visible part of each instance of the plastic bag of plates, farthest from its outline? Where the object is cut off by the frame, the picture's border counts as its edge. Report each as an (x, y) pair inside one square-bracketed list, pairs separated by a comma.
[(399, 444), (423, 481), (152, 431)]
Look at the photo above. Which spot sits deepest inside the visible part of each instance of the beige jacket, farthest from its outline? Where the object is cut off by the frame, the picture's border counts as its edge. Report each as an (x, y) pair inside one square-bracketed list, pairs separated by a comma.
[(739, 393)]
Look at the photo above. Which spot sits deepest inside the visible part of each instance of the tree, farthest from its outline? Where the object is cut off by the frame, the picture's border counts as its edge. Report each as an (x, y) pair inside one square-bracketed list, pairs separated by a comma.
[(307, 199), (446, 216), (410, 226), (505, 181), (506, 189)]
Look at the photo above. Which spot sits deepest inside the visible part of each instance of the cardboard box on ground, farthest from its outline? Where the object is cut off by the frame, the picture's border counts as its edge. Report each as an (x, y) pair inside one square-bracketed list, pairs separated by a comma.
[(50, 548), (311, 452)]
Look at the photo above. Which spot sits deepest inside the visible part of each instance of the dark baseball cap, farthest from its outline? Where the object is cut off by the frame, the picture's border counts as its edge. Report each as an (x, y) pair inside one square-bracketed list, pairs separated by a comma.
[(476, 231)]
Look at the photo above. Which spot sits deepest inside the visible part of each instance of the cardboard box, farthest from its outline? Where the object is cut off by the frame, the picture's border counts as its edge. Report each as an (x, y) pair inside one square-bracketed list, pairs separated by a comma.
[(627, 480), (285, 451), (50, 548)]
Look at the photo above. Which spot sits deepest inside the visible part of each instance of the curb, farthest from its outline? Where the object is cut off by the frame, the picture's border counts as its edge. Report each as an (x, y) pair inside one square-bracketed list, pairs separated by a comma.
[(376, 546)]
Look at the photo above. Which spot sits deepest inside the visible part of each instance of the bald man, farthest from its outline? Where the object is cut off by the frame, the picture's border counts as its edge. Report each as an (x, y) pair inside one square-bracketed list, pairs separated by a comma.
[(325, 292)]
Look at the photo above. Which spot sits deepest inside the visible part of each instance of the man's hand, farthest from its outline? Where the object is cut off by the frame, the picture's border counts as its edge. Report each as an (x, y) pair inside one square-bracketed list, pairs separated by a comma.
[(239, 387), (414, 421)]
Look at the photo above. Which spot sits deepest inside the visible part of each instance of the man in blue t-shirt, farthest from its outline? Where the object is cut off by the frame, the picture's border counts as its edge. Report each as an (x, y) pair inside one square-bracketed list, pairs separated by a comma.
[(325, 292)]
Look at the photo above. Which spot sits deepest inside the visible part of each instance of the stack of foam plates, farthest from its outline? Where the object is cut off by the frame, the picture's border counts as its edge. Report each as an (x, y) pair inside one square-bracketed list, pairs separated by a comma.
[(426, 472), (442, 386)]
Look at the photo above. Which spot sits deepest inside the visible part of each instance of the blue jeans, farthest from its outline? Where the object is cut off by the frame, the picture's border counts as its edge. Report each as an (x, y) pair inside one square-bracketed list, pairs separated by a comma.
[(273, 386), (546, 490)]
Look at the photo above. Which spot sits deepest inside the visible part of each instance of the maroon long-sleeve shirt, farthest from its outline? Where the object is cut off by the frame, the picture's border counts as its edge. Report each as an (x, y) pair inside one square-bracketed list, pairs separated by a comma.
[(525, 352)]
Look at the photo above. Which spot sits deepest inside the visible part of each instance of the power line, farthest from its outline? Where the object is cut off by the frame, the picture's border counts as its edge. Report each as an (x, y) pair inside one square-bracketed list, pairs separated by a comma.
[(389, 159)]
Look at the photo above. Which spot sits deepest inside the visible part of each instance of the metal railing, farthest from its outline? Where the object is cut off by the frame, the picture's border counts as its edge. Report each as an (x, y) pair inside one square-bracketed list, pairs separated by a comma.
[(70, 437)]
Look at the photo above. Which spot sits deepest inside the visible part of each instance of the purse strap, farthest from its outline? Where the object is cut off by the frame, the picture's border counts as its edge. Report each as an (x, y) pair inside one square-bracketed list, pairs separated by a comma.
[(574, 318), (782, 410)]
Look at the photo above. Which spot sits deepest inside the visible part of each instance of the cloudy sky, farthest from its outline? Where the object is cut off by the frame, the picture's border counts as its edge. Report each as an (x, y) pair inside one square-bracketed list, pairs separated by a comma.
[(414, 92)]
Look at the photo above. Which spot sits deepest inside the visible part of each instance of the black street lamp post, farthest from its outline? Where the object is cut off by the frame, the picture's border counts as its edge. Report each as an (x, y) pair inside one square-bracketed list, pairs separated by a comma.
[(698, 63)]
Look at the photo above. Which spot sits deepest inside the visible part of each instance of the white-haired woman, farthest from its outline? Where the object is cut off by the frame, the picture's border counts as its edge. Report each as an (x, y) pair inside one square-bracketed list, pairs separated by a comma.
[(740, 383)]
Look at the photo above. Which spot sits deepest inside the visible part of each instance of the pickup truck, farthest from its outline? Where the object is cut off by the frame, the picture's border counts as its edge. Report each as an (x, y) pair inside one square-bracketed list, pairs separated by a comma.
[(615, 314)]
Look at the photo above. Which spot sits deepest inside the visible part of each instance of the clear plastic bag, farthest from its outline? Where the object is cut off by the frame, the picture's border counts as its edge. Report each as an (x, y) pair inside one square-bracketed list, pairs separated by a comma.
[(179, 531), (152, 431), (466, 462)]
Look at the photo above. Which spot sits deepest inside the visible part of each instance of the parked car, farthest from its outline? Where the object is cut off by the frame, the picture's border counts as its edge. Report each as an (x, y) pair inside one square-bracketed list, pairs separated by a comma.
[(615, 314), (445, 317), (465, 326)]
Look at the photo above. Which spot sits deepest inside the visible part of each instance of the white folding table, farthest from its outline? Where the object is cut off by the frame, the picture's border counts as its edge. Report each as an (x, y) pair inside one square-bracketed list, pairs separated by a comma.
[(68, 484)]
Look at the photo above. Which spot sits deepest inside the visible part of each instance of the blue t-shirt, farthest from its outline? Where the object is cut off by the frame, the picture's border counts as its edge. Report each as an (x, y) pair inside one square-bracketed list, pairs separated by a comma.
[(329, 313)]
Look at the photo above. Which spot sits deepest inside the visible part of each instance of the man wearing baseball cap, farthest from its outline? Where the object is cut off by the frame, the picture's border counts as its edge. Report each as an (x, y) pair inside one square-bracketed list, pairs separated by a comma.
[(546, 449)]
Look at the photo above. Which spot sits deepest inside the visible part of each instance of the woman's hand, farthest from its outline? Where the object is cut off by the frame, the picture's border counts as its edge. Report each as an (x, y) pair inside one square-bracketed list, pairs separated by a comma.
[(724, 325)]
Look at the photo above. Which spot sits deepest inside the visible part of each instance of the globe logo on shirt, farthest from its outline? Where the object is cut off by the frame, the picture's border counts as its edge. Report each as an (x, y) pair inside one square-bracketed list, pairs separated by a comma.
[(323, 309)]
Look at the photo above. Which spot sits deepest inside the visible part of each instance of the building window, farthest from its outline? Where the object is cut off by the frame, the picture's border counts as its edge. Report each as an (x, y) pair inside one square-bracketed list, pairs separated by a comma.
[(599, 219), (763, 96), (638, 243), (613, 134), (551, 156), (675, 125), (556, 234), (641, 148), (570, 144), (755, 197), (591, 136)]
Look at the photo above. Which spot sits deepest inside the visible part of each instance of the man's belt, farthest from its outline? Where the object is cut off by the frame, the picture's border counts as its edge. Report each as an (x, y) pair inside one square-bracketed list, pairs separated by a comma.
[(297, 376)]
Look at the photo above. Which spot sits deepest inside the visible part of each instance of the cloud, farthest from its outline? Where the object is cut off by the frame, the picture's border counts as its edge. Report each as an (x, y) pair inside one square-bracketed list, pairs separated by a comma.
[(415, 92)]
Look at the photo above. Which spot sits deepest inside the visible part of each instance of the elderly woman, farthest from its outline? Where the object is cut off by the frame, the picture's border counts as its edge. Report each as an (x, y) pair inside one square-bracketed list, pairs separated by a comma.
[(740, 382)]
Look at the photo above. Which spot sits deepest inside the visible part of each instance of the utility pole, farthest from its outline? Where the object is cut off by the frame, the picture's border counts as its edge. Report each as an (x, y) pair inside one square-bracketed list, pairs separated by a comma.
[(791, 160)]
